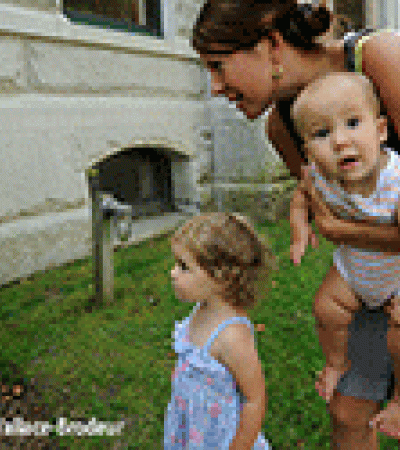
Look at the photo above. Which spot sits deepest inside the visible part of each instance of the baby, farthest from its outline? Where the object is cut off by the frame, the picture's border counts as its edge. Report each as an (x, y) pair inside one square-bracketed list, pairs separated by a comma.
[(338, 118)]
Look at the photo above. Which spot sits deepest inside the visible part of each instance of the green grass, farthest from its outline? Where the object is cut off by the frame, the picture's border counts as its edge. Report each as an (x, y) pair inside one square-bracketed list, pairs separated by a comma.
[(116, 362)]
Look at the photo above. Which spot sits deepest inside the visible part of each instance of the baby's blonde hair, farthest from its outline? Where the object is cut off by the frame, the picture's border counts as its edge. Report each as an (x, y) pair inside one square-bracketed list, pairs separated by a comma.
[(227, 247), (302, 99)]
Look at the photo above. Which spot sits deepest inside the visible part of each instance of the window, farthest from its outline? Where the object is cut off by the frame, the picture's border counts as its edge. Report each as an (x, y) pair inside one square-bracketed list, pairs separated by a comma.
[(133, 16)]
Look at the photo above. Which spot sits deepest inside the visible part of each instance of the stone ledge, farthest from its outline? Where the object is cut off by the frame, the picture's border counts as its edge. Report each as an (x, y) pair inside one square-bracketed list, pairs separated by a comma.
[(56, 28), (41, 243), (51, 205)]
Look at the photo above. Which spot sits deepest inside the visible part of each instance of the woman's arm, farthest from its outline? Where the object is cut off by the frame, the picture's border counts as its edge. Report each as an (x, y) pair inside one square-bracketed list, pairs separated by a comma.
[(384, 238), (380, 62), (283, 142)]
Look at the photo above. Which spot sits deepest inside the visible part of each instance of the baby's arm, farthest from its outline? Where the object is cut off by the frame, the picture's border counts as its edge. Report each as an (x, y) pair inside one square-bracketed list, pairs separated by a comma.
[(237, 352), (300, 228), (398, 214)]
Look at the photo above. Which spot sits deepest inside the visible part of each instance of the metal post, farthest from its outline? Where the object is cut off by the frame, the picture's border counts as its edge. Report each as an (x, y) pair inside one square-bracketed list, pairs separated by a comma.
[(105, 213), (102, 252)]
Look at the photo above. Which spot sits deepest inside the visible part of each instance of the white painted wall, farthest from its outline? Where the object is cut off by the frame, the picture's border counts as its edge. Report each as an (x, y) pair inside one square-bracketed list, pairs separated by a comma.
[(383, 14), (69, 95)]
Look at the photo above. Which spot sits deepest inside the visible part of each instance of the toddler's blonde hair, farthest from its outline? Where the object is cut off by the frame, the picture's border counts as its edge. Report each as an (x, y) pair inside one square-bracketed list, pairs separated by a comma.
[(228, 248)]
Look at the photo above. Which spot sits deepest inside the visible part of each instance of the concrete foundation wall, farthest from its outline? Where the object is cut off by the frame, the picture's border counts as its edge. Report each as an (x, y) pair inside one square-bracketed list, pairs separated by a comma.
[(69, 96)]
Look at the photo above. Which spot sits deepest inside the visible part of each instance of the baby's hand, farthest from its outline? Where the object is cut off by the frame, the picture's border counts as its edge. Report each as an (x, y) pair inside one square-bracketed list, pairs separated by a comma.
[(300, 239), (301, 231), (314, 239)]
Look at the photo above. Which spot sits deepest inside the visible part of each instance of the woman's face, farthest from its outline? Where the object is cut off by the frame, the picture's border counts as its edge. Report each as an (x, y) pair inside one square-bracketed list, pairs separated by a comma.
[(244, 77)]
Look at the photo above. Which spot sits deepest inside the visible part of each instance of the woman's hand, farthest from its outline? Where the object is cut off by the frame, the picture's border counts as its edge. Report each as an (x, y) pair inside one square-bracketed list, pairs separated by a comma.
[(376, 237)]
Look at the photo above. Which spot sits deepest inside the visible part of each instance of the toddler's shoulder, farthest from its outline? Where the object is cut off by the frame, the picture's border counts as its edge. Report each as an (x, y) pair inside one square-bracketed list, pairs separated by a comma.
[(236, 332), (236, 338)]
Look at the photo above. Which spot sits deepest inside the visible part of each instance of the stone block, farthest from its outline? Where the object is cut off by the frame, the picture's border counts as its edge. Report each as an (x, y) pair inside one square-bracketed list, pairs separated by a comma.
[(62, 67), (12, 66)]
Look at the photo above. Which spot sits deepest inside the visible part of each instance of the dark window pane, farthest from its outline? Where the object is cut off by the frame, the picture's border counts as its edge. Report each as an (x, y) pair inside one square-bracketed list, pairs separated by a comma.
[(117, 14)]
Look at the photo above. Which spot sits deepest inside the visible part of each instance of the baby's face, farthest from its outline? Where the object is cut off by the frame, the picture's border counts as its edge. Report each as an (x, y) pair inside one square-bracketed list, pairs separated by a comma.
[(341, 133)]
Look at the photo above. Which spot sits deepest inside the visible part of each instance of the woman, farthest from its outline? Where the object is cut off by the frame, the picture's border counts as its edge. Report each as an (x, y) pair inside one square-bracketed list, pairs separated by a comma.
[(261, 54)]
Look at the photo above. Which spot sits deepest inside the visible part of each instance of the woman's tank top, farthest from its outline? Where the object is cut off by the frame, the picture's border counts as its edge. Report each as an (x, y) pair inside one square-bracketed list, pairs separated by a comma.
[(353, 49)]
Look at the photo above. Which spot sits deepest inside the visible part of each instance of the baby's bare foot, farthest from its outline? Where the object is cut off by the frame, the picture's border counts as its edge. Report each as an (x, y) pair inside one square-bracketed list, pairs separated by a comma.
[(327, 382), (388, 420)]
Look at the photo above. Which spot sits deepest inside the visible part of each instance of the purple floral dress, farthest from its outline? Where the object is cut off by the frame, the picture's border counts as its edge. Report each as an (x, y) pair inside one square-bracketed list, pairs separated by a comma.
[(205, 405)]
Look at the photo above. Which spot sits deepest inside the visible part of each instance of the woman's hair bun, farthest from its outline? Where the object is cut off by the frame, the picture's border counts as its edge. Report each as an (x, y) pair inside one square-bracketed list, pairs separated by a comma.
[(302, 23), (319, 20)]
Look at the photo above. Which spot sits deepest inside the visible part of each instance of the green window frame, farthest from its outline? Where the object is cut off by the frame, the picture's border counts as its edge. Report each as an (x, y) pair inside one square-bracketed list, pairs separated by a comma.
[(152, 28)]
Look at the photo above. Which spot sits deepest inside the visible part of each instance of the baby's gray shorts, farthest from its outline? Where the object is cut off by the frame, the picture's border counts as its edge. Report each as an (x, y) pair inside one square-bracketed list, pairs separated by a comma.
[(371, 374)]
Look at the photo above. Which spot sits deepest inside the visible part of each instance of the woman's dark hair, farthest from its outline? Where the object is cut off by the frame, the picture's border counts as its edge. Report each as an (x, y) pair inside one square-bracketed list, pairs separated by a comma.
[(240, 24)]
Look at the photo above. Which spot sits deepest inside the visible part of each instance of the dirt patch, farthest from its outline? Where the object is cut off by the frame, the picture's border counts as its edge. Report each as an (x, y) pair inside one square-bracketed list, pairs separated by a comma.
[(29, 401), (23, 400)]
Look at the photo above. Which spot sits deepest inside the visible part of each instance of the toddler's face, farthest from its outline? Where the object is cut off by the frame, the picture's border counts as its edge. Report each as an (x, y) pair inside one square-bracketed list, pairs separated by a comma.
[(191, 282), (341, 133)]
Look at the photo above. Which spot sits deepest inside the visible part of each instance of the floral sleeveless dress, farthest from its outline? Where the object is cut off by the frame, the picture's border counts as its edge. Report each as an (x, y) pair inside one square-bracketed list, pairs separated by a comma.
[(205, 405)]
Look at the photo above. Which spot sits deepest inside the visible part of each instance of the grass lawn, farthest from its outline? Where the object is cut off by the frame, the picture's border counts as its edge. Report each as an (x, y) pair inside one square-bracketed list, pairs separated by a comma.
[(115, 363)]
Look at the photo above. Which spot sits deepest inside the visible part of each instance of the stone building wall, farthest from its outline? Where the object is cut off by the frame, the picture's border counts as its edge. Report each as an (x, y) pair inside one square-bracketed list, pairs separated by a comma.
[(71, 95)]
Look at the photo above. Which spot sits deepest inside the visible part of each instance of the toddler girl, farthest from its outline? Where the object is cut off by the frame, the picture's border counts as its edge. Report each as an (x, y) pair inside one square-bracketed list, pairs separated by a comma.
[(338, 118), (218, 387)]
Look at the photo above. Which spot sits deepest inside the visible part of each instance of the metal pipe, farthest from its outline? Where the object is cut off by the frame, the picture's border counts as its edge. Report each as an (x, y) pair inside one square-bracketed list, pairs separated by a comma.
[(103, 266), (106, 211)]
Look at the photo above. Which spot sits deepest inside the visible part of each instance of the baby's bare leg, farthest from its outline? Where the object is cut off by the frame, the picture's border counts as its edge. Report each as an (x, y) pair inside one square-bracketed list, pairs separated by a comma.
[(334, 307)]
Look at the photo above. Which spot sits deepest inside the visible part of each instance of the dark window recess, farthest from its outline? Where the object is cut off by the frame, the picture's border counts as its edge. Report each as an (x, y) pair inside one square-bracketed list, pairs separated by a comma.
[(140, 178), (120, 15)]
